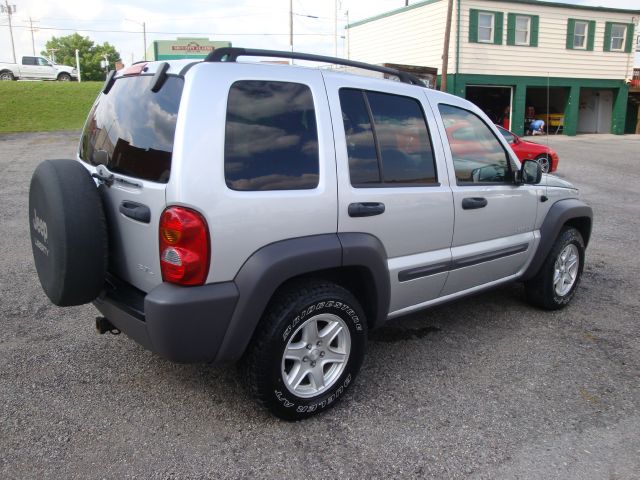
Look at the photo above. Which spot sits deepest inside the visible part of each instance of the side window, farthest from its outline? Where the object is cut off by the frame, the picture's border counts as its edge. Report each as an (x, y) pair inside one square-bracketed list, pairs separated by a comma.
[(42, 62), (478, 156), (387, 140), (28, 60), (507, 135), (271, 140)]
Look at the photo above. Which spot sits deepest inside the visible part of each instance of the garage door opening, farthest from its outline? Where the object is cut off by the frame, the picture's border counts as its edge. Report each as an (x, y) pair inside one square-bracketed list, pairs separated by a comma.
[(547, 104), (494, 101)]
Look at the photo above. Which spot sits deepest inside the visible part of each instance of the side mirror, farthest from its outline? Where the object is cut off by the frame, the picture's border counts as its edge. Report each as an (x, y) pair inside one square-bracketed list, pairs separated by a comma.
[(530, 172)]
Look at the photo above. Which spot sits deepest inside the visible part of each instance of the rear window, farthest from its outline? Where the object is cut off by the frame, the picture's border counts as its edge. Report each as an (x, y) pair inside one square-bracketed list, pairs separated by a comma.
[(131, 129)]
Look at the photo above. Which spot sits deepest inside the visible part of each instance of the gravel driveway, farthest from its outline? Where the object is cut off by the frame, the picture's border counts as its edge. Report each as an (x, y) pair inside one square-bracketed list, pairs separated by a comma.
[(485, 388)]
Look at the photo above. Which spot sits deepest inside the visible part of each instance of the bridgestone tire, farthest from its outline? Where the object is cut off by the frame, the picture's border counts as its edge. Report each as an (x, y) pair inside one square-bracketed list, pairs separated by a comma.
[(68, 232), (540, 290), (264, 364)]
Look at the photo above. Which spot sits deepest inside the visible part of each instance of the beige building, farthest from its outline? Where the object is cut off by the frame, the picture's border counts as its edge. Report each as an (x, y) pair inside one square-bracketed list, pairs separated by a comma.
[(572, 64)]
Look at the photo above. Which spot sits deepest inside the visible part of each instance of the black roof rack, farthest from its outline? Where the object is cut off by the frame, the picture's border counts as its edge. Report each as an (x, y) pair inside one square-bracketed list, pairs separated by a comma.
[(231, 54)]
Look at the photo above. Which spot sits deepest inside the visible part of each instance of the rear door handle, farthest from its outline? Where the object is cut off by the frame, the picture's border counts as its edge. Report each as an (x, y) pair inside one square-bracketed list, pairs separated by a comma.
[(134, 210), (365, 209), (473, 202)]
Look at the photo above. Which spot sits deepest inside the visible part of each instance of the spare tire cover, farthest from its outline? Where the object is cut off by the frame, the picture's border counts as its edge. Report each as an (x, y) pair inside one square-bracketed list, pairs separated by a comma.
[(68, 232)]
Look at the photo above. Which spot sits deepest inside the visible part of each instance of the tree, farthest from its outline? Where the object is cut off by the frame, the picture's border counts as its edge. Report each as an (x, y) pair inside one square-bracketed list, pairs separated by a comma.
[(90, 54)]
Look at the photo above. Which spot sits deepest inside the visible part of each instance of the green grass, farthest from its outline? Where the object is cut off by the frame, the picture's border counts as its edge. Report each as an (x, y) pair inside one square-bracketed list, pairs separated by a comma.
[(45, 106)]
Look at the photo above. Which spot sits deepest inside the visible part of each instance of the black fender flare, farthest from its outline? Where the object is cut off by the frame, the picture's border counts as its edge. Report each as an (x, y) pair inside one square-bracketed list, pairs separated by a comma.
[(272, 265), (559, 214)]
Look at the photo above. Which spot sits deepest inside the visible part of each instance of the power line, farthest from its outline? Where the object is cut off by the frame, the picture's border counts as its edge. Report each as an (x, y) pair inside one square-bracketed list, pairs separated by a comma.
[(168, 33)]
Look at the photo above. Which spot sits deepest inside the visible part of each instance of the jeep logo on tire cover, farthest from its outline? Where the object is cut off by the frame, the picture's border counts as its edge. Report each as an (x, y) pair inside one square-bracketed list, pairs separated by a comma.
[(39, 225)]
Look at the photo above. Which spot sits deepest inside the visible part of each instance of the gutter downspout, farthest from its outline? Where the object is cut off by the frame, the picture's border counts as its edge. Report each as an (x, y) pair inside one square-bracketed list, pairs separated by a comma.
[(455, 76)]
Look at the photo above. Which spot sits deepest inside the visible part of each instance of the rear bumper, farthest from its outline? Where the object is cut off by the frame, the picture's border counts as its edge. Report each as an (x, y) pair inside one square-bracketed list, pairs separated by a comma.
[(182, 324)]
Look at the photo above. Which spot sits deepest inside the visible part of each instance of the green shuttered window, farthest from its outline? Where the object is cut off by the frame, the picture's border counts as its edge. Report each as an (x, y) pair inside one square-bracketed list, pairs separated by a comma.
[(618, 37), (485, 26), (580, 34), (522, 30)]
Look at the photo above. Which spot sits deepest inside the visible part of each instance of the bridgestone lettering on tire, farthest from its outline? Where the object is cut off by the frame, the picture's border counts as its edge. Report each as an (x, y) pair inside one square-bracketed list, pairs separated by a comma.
[(307, 351), (555, 284), (68, 232)]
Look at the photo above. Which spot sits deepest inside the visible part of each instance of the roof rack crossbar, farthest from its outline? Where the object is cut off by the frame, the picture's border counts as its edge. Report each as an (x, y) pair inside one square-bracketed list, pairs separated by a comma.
[(231, 54)]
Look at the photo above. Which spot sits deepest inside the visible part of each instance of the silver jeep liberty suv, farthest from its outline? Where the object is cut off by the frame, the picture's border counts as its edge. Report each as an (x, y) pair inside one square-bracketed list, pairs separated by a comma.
[(272, 215)]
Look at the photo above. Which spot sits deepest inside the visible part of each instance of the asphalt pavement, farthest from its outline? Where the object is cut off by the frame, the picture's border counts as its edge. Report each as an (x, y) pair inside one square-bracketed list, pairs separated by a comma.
[(488, 387)]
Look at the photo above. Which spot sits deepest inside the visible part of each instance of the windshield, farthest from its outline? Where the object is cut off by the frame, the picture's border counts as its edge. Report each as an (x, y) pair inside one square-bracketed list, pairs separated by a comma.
[(131, 129)]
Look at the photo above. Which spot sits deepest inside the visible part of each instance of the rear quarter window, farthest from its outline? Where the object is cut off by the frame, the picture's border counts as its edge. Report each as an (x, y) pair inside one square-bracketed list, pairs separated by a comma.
[(271, 139), (131, 129)]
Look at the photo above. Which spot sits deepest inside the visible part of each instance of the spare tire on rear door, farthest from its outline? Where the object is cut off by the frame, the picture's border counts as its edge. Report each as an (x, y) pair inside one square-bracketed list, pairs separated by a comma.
[(68, 232)]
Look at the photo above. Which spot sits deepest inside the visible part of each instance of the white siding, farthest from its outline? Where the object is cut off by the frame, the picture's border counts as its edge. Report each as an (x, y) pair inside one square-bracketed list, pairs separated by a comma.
[(550, 57), (416, 37), (412, 37)]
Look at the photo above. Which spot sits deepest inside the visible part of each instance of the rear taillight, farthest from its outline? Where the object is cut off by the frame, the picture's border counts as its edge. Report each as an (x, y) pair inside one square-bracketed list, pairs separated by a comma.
[(184, 246)]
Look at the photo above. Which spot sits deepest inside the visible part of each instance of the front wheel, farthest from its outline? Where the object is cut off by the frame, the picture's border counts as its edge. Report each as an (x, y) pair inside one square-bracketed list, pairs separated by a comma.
[(64, 77), (545, 162), (555, 284), (307, 351)]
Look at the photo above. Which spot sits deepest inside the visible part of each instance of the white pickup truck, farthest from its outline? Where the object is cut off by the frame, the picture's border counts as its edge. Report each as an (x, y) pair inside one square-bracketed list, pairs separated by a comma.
[(37, 68)]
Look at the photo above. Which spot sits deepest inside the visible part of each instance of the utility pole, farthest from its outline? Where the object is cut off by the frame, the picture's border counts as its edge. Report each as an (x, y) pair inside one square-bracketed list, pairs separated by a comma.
[(144, 36), (347, 35), (291, 29), (291, 25), (33, 29), (445, 53), (78, 65), (10, 10), (335, 28)]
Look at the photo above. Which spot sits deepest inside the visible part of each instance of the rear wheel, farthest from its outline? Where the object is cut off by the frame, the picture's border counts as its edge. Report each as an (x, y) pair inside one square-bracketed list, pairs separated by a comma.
[(6, 76), (545, 162), (555, 284), (308, 350)]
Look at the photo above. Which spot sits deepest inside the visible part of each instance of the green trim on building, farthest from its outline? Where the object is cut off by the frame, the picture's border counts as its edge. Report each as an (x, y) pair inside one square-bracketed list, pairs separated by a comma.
[(590, 33), (606, 46), (628, 45), (628, 41), (457, 85), (534, 26), (498, 26), (540, 3), (537, 3)]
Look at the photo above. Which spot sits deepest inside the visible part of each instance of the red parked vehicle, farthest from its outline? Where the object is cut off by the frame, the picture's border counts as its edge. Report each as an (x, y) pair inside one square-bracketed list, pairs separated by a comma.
[(524, 150)]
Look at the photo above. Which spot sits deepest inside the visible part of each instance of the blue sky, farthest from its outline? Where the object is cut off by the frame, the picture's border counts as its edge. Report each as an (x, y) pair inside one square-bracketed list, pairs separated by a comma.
[(247, 23)]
